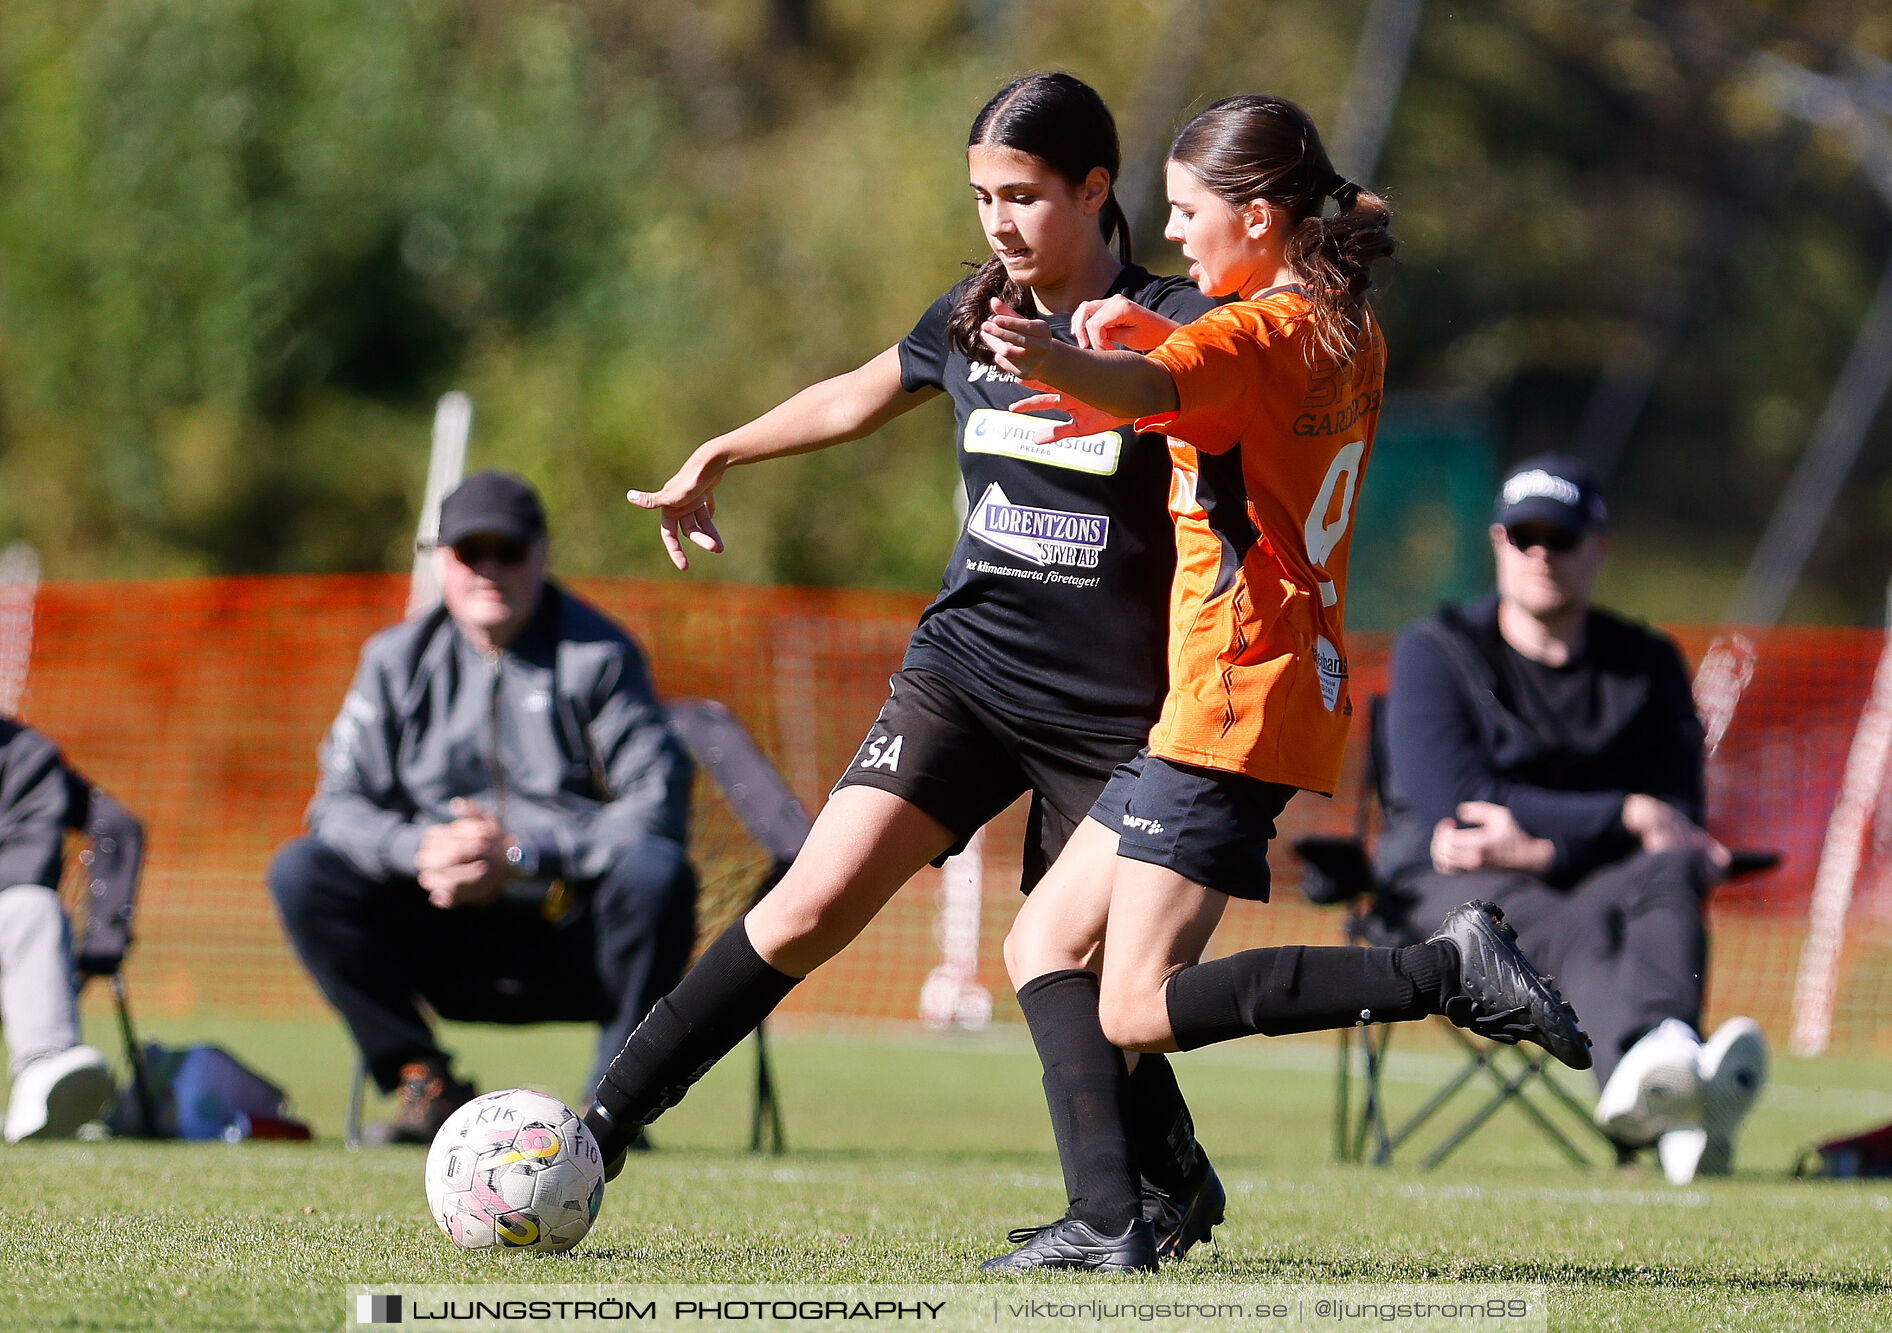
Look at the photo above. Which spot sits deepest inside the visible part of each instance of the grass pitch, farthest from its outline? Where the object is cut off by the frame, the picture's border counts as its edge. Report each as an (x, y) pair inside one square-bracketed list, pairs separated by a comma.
[(909, 1158)]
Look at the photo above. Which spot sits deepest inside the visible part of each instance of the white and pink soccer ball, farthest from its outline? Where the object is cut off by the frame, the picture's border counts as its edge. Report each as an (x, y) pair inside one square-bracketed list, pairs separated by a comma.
[(515, 1170)]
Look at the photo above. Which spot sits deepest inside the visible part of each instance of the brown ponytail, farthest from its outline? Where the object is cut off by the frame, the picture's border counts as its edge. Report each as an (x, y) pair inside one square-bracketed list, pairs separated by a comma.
[(1259, 147), (1061, 121)]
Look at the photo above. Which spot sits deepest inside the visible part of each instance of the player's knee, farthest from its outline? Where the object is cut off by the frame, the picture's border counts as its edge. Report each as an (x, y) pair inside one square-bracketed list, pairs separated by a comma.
[(798, 932), (1027, 955), (1133, 1018), (1016, 951)]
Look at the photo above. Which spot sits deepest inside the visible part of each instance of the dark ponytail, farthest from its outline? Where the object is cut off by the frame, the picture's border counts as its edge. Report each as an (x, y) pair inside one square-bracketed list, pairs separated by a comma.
[(1061, 121), (1259, 147)]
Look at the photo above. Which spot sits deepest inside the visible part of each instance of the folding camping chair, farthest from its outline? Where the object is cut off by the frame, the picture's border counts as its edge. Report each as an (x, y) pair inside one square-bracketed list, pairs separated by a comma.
[(110, 862), (1337, 871), (741, 845), (772, 819)]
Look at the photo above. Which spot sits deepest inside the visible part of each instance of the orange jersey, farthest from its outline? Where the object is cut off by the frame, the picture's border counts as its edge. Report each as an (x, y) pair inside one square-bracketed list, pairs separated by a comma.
[(1268, 453)]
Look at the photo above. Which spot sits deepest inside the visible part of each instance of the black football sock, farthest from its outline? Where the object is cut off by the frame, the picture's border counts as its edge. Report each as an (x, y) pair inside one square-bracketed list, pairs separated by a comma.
[(1162, 1132), (721, 1000), (1433, 968), (1302, 988), (1086, 1089)]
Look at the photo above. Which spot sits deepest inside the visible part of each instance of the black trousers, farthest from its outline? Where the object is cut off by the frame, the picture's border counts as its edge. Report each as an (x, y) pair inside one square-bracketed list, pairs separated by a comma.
[(376, 947), (1626, 944)]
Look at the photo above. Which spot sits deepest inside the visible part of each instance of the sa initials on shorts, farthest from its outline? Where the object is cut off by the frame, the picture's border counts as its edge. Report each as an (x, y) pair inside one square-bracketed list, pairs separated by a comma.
[(882, 752)]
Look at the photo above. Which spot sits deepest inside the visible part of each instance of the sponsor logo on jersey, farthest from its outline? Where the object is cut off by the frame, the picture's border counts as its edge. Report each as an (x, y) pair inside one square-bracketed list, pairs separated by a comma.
[(1332, 668), (1042, 536), (979, 372), (1009, 434), (1149, 826), (882, 752)]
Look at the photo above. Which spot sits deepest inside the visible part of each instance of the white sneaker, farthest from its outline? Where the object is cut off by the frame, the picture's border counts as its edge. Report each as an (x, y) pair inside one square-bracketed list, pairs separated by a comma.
[(1680, 1151), (57, 1093), (1656, 1087), (1733, 1070)]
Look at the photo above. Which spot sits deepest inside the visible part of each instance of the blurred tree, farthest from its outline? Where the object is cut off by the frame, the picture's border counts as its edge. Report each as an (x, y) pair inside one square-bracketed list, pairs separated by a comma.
[(243, 245)]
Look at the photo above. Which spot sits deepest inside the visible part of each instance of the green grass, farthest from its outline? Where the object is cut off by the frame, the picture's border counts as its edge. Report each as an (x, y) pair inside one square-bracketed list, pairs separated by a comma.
[(910, 1156)]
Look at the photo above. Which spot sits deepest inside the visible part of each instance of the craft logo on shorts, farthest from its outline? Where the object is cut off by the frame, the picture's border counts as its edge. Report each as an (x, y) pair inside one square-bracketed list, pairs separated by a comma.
[(1332, 668), (1143, 823), (1042, 536)]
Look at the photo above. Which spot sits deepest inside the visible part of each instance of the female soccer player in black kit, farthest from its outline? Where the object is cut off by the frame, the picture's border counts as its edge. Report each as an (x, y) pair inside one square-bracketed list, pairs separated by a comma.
[(1038, 668)]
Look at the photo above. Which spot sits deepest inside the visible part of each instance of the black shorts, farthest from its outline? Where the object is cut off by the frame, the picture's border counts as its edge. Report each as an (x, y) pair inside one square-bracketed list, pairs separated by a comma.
[(1211, 827), (962, 761)]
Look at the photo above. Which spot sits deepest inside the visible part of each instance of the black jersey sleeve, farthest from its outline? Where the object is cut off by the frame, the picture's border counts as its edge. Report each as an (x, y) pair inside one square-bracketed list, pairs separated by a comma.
[(923, 351)]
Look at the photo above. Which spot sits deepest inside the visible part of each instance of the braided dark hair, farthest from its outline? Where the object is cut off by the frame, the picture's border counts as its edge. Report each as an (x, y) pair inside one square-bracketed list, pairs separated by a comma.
[(1061, 121), (1259, 147)]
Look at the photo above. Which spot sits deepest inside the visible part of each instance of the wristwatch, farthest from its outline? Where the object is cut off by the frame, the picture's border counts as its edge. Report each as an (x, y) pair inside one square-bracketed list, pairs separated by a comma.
[(523, 858)]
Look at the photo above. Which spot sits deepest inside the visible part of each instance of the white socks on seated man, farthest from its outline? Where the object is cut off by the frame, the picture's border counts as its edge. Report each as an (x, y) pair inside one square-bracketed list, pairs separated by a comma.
[(58, 1084), (1686, 1096)]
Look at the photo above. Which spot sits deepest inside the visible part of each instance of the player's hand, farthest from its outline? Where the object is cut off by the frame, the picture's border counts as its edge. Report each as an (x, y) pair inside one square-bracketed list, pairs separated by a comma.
[(1487, 836), (1018, 345), (687, 505), (1117, 321), (1084, 419), (1660, 827)]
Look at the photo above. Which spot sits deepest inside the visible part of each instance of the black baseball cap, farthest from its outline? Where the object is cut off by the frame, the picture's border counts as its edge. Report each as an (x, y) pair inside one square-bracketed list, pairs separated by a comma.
[(492, 504), (1551, 488)]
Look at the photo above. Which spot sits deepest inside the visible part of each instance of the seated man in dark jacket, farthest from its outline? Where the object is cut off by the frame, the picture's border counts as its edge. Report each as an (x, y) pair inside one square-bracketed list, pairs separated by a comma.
[(1546, 755), (500, 822)]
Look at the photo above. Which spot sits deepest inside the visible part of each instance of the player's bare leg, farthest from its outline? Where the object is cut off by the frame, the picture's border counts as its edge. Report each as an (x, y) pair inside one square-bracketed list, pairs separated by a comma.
[(1137, 1185), (1061, 924), (864, 845)]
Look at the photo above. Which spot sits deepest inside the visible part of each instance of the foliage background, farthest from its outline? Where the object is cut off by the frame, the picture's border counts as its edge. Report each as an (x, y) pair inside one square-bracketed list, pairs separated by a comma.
[(244, 245)]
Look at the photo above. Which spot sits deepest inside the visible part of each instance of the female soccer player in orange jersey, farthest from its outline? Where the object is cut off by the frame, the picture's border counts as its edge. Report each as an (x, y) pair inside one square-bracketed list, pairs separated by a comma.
[(1270, 404), (1039, 667)]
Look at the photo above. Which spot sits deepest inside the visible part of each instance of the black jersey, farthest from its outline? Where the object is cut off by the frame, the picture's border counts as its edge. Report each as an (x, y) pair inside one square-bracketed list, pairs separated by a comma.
[(1054, 604)]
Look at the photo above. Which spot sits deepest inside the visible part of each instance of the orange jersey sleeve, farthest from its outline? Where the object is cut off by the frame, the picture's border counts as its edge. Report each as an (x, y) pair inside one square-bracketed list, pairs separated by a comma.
[(1220, 366), (1268, 448)]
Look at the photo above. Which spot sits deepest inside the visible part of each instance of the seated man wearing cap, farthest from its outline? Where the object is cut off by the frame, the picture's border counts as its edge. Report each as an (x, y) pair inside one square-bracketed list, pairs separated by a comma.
[(1545, 755), (500, 820)]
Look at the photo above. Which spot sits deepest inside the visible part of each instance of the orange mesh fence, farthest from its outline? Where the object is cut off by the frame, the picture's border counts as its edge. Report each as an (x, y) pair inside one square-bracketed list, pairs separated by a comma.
[(200, 703)]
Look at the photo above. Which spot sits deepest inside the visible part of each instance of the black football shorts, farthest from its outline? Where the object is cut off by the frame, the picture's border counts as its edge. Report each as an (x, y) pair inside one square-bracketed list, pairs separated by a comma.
[(963, 761), (1212, 828)]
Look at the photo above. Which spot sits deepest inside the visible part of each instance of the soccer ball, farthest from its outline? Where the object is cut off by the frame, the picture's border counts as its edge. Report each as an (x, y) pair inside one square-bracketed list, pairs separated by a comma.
[(514, 1170)]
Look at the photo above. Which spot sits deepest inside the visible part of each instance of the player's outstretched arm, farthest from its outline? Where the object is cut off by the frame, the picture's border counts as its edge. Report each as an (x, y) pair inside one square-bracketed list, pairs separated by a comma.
[(834, 411), (1117, 321), (1124, 384)]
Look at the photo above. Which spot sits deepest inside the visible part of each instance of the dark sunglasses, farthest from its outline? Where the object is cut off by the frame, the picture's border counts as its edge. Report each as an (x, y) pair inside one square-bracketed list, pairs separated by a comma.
[(499, 550), (1553, 537)]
